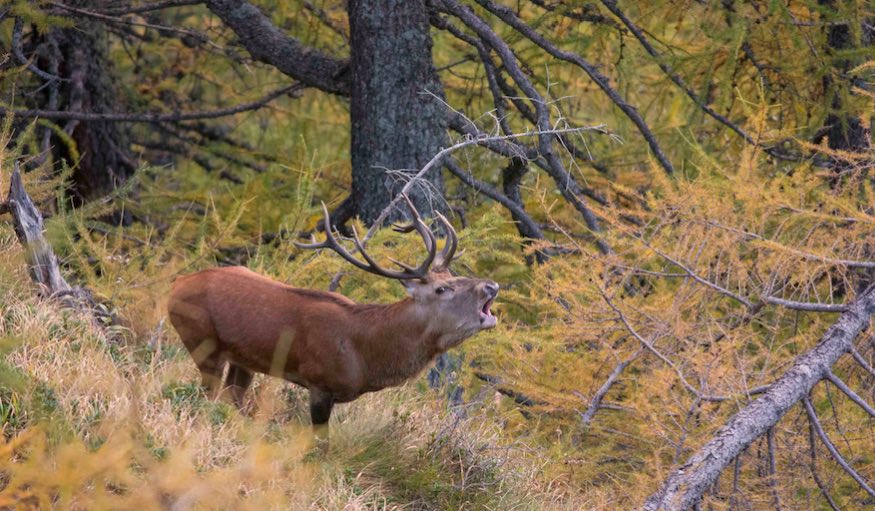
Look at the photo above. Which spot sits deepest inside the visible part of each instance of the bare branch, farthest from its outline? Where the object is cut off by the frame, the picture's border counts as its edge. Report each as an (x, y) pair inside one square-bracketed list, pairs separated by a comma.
[(529, 228), (112, 19), (567, 186), (835, 380), (267, 43), (812, 416), (20, 56), (153, 117), (806, 306), (860, 360), (155, 6), (439, 157), (509, 17), (772, 469), (720, 289), (648, 344), (812, 466), (686, 485), (596, 401)]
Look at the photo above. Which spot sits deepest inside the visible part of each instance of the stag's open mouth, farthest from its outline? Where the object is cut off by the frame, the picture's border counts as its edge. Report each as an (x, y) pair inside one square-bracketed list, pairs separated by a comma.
[(487, 320)]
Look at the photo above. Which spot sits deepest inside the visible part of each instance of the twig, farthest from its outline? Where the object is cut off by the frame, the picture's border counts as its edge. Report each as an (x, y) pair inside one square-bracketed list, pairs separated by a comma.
[(112, 19), (151, 117), (567, 186), (705, 282), (155, 6), (806, 306), (812, 466), (531, 227), (648, 344), (812, 417), (596, 401), (773, 471), (835, 380), (862, 361)]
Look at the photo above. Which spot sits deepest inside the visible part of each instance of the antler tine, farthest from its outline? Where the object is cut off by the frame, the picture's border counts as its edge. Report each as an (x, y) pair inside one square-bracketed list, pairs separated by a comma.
[(377, 269), (425, 233), (370, 265), (332, 243), (449, 250)]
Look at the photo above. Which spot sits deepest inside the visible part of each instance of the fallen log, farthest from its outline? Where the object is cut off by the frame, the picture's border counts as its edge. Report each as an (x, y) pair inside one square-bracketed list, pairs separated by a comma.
[(684, 487)]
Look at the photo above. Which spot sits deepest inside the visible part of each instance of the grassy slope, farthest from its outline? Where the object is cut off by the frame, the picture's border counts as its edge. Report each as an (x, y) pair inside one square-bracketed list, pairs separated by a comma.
[(93, 424)]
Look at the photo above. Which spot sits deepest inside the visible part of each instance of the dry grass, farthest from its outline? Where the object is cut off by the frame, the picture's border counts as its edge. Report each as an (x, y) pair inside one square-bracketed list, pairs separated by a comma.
[(95, 424)]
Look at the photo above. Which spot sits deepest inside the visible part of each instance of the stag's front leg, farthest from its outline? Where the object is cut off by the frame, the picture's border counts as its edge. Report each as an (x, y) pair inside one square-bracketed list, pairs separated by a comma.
[(321, 404)]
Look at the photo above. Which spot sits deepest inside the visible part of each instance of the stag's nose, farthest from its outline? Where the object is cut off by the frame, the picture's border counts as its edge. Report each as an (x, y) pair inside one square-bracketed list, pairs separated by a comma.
[(491, 288)]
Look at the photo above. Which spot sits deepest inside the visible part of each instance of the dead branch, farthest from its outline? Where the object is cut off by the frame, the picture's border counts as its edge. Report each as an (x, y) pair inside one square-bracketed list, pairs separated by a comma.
[(153, 117), (443, 153), (812, 467), (860, 360), (155, 6), (772, 468), (28, 224), (806, 306), (686, 485), (835, 380), (596, 402), (705, 282), (812, 416), (527, 227), (554, 168)]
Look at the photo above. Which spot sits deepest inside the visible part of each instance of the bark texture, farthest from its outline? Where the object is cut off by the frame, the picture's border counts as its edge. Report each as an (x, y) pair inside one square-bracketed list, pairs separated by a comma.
[(28, 224), (267, 43), (396, 123), (104, 158), (686, 485)]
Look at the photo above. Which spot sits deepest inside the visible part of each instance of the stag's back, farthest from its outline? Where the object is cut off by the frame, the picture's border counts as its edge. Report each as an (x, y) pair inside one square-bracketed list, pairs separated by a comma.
[(247, 315)]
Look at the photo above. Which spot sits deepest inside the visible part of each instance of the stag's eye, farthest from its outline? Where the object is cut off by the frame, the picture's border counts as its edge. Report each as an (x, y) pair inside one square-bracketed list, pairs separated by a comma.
[(441, 290)]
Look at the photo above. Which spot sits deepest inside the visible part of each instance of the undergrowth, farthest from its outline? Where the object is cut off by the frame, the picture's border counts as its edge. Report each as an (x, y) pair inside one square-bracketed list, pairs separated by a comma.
[(121, 422)]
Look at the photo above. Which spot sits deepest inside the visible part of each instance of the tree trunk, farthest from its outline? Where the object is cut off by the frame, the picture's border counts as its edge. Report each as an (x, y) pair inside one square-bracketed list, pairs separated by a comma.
[(398, 122), (105, 161)]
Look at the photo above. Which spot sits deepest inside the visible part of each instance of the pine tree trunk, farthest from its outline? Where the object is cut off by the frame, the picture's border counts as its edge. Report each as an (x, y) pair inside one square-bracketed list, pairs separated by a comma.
[(398, 122), (105, 161)]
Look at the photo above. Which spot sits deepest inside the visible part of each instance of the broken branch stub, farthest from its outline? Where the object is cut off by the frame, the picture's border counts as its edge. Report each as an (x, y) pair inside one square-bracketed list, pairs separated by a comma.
[(28, 224)]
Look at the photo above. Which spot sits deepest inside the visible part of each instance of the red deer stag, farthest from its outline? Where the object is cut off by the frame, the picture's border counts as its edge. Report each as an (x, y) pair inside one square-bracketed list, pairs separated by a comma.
[(323, 341)]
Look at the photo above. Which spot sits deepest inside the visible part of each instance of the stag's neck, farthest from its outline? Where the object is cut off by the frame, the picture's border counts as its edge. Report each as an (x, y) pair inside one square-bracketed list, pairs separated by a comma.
[(395, 341)]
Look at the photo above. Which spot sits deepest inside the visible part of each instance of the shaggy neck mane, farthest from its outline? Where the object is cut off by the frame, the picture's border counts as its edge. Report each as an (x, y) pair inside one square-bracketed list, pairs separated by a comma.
[(394, 340)]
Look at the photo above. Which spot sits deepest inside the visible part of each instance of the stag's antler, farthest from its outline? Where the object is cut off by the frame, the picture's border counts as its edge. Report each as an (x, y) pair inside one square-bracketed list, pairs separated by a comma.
[(409, 272)]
